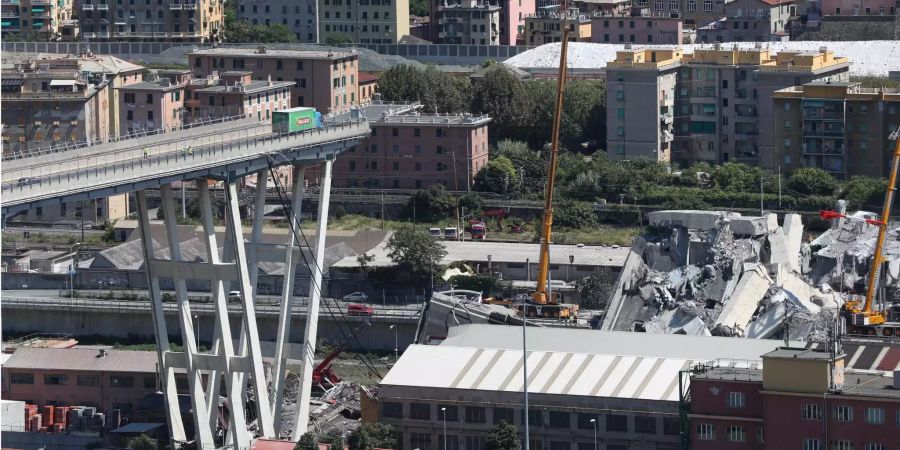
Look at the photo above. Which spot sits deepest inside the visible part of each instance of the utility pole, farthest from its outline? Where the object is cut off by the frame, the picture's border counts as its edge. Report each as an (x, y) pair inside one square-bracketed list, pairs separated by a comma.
[(382, 210), (184, 207), (455, 179), (761, 192)]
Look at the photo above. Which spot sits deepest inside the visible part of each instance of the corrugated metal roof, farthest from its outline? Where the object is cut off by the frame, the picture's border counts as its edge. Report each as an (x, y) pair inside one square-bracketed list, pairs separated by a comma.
[(82, 360), (568, 362)]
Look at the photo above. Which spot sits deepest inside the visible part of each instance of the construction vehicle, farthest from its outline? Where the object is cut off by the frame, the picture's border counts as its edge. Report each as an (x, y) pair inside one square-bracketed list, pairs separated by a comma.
[(322, 373), (860, 313), (543, 302)]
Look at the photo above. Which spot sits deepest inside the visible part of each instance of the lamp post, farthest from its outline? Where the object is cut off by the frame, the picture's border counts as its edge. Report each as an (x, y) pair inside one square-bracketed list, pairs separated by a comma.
[(72, 272), (594, 423), (394, 327), (444, 414)]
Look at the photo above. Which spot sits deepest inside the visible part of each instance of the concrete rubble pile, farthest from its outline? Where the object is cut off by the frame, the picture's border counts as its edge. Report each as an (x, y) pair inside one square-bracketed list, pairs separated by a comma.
[(338, 408), (722, 274)]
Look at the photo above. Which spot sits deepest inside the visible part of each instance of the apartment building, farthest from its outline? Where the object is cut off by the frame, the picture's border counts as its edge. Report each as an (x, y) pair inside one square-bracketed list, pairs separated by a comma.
[(750, 21), (692, 12), (235, 93), (858, 7), (41, 19), (839, 127), (151, 105), (480, 22), (325, 80), (153, 20), (801, 399), (57, 99), (413, 150), (298, 15), (640, 103), (546, 27), (368, 84), (640, 26), (602, 6), (366, 22)]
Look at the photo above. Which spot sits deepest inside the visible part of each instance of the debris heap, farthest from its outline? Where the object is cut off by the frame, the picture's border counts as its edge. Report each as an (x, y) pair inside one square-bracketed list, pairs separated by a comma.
[(723, 274)]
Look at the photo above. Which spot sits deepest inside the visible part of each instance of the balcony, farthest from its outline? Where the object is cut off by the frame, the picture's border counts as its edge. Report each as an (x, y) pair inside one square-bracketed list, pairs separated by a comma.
[(41, 2), (666, 118), (103, 7), (818, 114), (9, 15), (87, 6), (175, 6), (823, 133), (9, 2), (190, 5)]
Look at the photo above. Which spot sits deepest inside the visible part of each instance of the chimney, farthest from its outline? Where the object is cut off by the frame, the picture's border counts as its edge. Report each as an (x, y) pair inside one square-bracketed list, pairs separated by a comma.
[(102, 353), (261, 50)]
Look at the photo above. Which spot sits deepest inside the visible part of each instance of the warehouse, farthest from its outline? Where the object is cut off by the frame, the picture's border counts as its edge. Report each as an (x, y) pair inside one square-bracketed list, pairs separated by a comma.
[(624, 385)]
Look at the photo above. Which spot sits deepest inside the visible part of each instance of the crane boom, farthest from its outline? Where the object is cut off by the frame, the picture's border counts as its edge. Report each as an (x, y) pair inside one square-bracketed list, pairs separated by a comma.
[(540, 294), (882, 233)]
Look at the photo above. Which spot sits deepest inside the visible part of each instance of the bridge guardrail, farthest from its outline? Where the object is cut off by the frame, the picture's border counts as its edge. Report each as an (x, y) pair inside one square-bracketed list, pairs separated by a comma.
[(132, 165)]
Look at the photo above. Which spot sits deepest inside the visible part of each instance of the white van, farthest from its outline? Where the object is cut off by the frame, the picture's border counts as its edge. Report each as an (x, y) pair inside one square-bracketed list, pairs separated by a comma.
[(451, 233), (435, 233)]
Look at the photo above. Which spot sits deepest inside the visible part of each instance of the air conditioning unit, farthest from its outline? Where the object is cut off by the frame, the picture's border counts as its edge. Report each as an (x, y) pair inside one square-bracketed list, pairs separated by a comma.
[(55, 123)]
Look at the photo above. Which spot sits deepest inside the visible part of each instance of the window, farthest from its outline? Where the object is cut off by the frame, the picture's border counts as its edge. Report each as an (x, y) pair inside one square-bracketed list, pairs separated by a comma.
[(420, 411), (584, 420), (560, 419), (89, 380), (23, 378), (787, 124), (842, 445), (671, 426), (475, 414), (736, 433), (149, 98), (121, 381), (620, 131), (787, 107), (616, 422), (150, 115), (149, 382), (874, 446), (420, 440), (875, 416), (448, 412), (843, 413), (811, 411), (129, 97), (645, 424), (706, 432), (392, 409), (707, 5), (502, 414), (812, 444), (620, 95), (129, 115), (417, 132), (418, 166), (55, 379), (787, 142), (535, 417), (736, 400)]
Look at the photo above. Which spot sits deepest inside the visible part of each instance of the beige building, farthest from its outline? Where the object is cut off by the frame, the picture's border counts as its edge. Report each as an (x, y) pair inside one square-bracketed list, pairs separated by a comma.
[(722, 100), (57, 99), (162, 20), (546, 27), (325, 80), (236, 93), (839, 127), (42, 19), (640, 103), (366, 22)]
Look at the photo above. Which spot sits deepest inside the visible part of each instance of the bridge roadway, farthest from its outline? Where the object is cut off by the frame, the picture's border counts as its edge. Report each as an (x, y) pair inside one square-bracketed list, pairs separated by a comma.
[(219, 151), (130, 320)]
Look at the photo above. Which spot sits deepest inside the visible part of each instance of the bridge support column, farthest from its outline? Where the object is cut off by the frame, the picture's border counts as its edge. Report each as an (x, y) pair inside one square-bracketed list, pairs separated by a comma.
[(315, 295)]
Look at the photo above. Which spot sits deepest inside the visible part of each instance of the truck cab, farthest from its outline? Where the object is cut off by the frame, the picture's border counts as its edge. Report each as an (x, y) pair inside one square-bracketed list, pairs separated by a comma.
[(478, 231)]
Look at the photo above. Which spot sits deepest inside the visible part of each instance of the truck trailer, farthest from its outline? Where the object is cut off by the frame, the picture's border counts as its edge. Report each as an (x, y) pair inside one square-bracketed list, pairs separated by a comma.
[(296, 119)]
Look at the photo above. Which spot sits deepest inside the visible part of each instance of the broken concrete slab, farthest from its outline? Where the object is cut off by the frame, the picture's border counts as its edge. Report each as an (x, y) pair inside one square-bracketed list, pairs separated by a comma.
[(768, 323), (749, 226), (749, 292), (793, 233), (696, 220), (778, 248)]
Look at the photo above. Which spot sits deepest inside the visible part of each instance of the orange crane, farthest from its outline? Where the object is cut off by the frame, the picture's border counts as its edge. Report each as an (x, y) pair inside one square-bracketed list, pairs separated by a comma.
[(862, 317), (543, 303)]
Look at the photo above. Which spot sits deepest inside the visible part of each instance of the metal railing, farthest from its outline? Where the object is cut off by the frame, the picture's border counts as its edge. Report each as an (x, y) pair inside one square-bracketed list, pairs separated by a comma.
[(30, 153), (94, 172)]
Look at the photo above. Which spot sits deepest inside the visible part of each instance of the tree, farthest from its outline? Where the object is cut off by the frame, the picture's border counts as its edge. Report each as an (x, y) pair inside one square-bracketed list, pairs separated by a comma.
[(336, 39), (502, 437), (812, 181), (437, 91), (503, 96), (416, 254), (430, 204), (241, 31), (372, 435), (498, 176), (418, 7), (142, 442), (334, 438), (864, 193), (307, 442), (530, 165), (575, 215), (595, 289)]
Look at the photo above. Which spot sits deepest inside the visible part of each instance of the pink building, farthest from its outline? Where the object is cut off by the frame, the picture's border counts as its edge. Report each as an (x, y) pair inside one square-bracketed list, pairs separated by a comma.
[(858, 7), (151, 105), (106, 379), (410, 150), (799, 399), (512, 20), (640, 29)]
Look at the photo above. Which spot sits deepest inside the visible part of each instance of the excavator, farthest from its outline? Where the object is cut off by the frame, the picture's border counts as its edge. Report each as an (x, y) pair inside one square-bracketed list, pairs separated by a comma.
[(860, 314), (542, 302)]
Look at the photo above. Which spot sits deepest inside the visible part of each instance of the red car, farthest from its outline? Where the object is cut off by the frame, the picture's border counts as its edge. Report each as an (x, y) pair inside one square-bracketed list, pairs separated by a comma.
[(356, 309)]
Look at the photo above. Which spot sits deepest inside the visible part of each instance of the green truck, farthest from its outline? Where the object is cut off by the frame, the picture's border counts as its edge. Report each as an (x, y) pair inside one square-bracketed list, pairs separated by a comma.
[(296, 119)]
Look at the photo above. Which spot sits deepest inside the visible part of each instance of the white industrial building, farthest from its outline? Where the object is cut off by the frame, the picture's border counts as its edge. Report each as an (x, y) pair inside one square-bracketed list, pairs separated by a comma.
[(629, 384)]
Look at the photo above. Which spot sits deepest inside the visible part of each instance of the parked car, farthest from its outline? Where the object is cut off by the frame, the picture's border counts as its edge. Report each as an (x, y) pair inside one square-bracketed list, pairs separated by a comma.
[(356, 297), (357, 309), (25, 181), (234, 296)]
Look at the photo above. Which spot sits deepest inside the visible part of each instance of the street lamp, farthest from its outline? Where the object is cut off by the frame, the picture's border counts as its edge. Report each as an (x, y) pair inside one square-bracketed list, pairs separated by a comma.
[(594, 423), (72, 272), (394, 327), (444, 414)]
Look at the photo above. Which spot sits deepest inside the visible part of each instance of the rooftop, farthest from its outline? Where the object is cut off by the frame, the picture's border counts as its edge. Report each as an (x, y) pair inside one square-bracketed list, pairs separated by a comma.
[(87, 63), (82, 360), (159, 85), (253, 86), (797, 353), (565, 361), (508, 252), (277, 53)]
